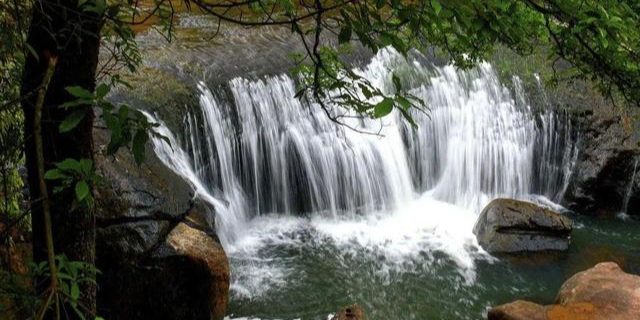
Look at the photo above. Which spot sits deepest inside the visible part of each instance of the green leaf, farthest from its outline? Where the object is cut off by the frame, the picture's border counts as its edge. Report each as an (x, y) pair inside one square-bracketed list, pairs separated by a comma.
[(408, 117), (82, 190), (69, 165), (367, 93), (74, 306), (123, 114), (54, 174), (72, 120), (383, 108), (345, 34), (79, 92), (137, 148), (396, 83), (437, 6), (404, 102), (75, 291), (102, 90), (99, 7), (85, 166)]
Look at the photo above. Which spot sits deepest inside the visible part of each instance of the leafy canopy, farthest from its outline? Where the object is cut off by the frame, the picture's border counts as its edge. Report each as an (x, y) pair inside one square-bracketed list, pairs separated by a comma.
[(599, 38)]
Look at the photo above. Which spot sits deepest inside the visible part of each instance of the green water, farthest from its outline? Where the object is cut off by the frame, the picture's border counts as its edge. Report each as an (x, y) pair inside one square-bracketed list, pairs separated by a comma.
[(307, 275)]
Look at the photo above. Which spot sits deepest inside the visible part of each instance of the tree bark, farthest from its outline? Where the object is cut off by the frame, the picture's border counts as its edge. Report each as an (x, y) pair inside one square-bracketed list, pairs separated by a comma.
[(59, 28)]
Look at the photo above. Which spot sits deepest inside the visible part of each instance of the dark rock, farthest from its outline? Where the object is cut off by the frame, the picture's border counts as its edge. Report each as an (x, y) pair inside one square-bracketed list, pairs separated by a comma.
[(156, 248), (353, 312), (507, 225), (602, 176), (603, 292)]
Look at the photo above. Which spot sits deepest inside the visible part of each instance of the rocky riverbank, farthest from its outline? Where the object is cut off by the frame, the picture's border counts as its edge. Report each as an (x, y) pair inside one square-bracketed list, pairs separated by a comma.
[(157, 249), (604, 292)]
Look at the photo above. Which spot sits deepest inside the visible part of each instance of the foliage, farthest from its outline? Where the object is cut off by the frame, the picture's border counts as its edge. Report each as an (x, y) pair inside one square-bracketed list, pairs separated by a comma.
[(129, 128), (72, 274), (14, 23), (346, 94), (78, 175), (599, 39)]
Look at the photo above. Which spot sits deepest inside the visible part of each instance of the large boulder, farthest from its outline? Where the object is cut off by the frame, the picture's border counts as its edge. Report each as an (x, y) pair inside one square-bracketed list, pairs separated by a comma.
[(604, 292), (156, 246), (507, 225)]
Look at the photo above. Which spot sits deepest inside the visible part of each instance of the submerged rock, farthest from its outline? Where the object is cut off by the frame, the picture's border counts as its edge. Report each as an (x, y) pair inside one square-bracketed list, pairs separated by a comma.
[(507, 225), (156, 246), (352, 312), (604, 292)]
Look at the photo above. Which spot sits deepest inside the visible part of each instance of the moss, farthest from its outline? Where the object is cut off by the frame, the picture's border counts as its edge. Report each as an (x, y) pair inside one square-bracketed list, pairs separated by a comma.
[(161, 92), (565, 92)]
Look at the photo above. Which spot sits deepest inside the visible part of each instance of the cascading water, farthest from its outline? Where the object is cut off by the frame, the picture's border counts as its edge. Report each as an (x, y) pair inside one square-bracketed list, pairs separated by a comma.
[(402, 199), (624, 214)]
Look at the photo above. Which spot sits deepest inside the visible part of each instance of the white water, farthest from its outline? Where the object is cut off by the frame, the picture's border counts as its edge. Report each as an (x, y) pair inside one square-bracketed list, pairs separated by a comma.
[(624, 214), (262, 159)]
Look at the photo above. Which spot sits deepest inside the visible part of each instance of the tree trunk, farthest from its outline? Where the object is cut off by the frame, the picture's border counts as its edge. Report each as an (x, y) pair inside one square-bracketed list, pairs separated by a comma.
[(59, 28)]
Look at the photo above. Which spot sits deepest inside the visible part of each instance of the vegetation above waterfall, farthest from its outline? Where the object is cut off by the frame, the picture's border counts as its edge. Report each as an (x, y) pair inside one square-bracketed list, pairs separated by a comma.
[(53, 79)]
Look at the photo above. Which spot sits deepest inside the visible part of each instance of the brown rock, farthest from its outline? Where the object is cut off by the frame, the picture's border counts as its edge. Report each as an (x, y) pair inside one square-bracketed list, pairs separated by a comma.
[(613, 293), (604, 292), (199, 247), (518, 310), (352, 312)]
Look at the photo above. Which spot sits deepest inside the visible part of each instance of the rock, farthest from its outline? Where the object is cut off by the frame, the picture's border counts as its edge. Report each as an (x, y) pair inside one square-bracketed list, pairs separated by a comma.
[(507, 225), (610, 292), (352, 312), (604, 292), (609, 146), (156, 246), (203, 250), (518, 310)]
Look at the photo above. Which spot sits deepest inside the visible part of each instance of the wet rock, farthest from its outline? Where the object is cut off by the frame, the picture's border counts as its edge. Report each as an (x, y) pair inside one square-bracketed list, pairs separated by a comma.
[(156, 246), (603, 181), (603, 292), (353, 312), (507, 225)]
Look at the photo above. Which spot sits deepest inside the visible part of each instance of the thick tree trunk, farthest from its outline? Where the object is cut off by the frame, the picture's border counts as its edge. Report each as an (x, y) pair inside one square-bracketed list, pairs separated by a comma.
[(59, 28)]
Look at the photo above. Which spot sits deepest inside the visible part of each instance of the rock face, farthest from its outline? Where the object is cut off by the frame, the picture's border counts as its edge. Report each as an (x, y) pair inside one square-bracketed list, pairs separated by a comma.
[(507, 225), (604, 292), (156, 248), (603, 178)]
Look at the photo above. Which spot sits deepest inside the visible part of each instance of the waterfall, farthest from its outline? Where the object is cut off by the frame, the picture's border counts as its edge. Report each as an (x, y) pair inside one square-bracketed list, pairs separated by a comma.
[(254, 149), (624, 214)]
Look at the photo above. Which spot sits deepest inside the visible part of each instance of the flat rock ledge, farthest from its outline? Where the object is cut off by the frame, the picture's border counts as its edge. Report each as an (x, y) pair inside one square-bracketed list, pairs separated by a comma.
[(604, 292), (508, 225)]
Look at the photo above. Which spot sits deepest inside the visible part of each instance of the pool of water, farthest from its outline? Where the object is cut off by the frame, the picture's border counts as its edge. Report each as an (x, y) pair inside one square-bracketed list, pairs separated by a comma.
[(418, 262)]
